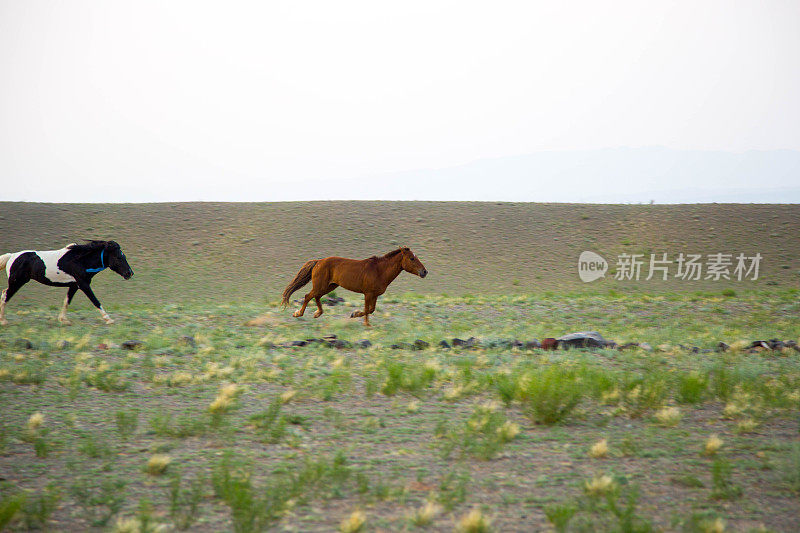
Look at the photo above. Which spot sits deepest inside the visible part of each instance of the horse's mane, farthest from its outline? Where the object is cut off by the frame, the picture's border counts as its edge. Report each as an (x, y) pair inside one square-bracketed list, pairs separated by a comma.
[(89, 246), (392, 253), (386, 256)]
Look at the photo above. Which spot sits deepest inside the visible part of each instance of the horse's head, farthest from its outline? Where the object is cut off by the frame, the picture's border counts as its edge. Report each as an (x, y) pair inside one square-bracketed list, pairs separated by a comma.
[(412, 264), (116, 260)]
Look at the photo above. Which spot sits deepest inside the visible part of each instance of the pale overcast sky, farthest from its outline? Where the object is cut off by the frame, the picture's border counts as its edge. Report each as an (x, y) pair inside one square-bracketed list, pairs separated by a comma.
[(188, 100)]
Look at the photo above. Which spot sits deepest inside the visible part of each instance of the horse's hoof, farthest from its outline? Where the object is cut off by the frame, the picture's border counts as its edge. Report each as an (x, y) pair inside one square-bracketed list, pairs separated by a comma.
[(109, 321), (318, 314), (3, 322), (297, 314), (65, 322)]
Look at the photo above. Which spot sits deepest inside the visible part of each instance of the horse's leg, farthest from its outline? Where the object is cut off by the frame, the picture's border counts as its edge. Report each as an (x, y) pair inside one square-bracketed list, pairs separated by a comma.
[(319, 278), (356, 314), (369, 306), (62, 316), (14, 284), (372, 303), (87, 290), (318, 295), (306, 299)]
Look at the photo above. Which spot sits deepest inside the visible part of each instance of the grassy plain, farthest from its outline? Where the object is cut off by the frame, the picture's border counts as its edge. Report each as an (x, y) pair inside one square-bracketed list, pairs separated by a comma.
[(211, 424)]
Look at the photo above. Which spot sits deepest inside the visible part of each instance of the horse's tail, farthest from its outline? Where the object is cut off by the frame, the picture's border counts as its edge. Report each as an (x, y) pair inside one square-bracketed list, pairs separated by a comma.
[(4, 260), (302, 277)]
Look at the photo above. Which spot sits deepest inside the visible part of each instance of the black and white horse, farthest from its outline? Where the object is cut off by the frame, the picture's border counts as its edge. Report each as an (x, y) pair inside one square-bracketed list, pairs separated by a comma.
[(73, 267)]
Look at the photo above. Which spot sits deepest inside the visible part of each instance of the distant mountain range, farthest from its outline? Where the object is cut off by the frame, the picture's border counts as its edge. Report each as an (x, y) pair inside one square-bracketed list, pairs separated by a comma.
[(613, 175)]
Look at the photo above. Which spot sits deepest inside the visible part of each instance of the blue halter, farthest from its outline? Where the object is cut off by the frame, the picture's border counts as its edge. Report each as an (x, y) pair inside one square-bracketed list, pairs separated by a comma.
[(102, 265)]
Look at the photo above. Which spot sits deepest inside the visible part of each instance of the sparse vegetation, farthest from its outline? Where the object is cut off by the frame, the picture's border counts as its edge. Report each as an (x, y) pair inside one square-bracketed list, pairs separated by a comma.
[(712, 445), (99, 497), (425, 515), (792, 468), (722, 482), (158, 464), (607, 504), (38, 507), (481, 436), (548, 396), (261, 434), (127, 422), (184, 499), (599, 449), (474, 522), (668, 416)]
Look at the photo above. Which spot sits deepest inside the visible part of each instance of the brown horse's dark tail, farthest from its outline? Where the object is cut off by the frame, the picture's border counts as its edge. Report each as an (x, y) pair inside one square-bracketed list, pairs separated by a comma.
[(302, 277)]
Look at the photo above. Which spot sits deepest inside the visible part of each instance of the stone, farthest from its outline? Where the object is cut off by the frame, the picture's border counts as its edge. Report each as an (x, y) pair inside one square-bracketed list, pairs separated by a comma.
[(402, 346), (444, 345), (472, 342), (776, 344), (363, 343), (549, 344), (582, 339), (339, 344), (627, 345), (293, 344), (420, 344), (188, 340), (131, 345), (24, 344), (760, 344)]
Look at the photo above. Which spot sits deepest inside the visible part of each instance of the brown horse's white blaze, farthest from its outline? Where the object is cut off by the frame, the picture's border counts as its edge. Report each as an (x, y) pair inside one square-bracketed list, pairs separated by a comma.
[(369, 277)]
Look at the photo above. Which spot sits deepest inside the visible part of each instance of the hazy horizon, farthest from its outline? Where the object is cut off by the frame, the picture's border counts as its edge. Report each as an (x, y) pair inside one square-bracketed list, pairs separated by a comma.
[(606, 176)]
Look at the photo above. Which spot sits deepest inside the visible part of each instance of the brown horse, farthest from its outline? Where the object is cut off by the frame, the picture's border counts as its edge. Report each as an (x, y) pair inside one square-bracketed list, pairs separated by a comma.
[(370, 277)]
